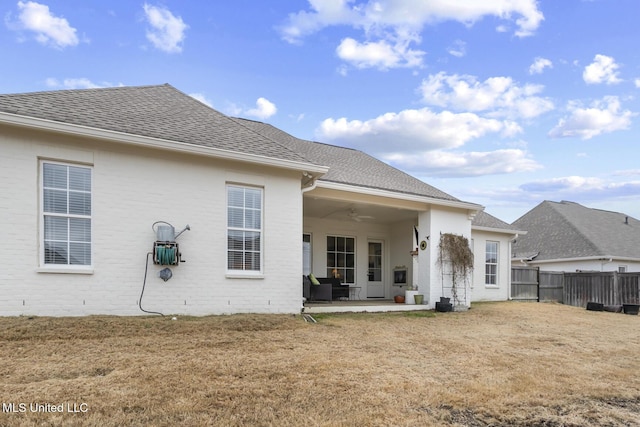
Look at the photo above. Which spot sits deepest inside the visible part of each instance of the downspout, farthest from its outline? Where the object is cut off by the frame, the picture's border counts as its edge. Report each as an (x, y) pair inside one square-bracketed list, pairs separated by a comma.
[(515, 236), (604, 261), (310, 183)]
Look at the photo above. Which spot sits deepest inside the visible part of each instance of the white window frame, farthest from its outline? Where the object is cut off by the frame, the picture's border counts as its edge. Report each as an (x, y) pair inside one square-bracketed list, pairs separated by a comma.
[(354, 268), (494, 264), (307, 254), (63, 268), (243, 272)]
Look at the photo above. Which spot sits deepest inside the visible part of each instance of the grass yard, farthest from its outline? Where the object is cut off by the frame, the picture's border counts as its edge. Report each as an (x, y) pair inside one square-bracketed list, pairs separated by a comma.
[(516, 364)]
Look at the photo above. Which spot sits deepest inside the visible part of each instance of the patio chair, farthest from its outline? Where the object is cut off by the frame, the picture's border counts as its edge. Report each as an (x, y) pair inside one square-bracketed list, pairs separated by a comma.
[(319, 292)]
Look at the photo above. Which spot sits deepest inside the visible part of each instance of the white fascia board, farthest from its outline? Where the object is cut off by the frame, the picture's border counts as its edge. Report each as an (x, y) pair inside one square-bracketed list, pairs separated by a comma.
[(588, 258), (157, 143), (398, 195), (499, 230)]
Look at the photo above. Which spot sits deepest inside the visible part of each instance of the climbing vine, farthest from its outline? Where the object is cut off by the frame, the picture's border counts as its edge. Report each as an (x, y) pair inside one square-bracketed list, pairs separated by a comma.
[(454, 250)]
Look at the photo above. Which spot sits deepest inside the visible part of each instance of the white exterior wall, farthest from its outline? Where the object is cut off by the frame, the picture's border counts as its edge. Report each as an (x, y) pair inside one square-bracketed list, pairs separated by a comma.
[(133, 188), (439, 220), (480, 291), (402, 243)]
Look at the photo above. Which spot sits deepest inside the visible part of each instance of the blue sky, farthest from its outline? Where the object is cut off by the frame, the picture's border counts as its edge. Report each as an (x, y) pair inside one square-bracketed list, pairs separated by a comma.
[(505, 103)]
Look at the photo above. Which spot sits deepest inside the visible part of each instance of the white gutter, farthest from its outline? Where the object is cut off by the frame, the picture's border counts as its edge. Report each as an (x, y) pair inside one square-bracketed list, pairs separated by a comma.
[(158, 143), (310, 184), (397, 195), (516, 233), (608, 258)]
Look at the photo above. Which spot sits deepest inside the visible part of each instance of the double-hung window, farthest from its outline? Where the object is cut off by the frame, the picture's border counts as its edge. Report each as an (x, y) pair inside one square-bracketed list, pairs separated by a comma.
[(491, 263), (244, 229), (66, 215)]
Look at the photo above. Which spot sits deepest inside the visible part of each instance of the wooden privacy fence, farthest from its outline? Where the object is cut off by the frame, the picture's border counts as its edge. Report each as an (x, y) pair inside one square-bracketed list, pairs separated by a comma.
[(608, 288), (524, 283), (577, 289), (531, 284)]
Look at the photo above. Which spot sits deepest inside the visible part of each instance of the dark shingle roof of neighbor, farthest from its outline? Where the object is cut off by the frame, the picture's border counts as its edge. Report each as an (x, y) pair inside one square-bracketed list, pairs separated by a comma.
[(560, 230), (349, 166), (154, 111)]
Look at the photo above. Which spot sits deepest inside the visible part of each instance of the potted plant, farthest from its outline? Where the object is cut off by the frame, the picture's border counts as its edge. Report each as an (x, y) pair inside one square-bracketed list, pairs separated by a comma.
[(399, 299), (410, 293)]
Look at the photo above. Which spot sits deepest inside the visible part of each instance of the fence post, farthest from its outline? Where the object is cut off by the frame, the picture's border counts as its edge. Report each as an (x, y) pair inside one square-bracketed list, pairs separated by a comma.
[(616, 293)]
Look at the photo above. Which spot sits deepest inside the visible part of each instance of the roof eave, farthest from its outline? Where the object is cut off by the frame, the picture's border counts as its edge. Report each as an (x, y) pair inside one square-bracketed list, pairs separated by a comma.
[(609, 258), (498, 230), (399, 195), (157, 143)]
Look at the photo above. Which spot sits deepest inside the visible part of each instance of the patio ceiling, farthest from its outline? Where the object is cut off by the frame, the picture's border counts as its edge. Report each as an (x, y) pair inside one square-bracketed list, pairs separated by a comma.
[(358, 212)]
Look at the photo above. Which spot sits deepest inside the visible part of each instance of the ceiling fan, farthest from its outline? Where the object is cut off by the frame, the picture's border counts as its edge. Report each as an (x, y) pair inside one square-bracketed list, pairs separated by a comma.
[(354, 215)]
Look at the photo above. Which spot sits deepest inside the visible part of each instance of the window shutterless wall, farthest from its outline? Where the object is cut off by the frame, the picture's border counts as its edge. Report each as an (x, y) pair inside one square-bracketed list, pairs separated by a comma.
[(131, 189)]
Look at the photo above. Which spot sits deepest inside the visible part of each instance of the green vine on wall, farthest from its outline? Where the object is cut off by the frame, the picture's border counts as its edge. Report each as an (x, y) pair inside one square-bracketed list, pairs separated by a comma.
[(454, 250)]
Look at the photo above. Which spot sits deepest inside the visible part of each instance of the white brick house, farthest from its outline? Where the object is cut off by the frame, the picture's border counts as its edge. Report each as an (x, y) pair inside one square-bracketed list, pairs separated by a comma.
[(84, 174)]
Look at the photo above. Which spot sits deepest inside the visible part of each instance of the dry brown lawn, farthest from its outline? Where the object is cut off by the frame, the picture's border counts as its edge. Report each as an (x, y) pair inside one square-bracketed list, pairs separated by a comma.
[(516, 364)]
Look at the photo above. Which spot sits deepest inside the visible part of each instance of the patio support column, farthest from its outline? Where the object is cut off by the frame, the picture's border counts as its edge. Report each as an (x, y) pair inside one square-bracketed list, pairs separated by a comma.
[(423, 275)]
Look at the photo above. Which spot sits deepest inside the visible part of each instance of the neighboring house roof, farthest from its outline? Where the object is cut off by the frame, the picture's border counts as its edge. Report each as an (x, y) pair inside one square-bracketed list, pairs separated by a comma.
[(487, 222), (161, 112), (349, 166), (567, 230)]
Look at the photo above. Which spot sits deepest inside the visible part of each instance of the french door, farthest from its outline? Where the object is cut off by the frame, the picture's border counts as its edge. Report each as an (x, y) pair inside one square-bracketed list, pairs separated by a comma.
[(375, 274)]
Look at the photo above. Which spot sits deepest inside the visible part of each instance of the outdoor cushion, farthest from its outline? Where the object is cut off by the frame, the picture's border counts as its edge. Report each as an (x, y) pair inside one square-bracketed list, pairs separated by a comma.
[(313, 279)]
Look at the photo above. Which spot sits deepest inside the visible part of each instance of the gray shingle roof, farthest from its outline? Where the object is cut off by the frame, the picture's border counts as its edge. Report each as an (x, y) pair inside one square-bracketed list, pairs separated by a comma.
[(559, 230), (349, 166), (163, 112), (484, 219), (154, 111)]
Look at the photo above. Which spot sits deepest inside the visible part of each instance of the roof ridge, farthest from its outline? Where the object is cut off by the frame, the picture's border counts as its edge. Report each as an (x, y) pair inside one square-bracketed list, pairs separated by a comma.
[(571, 224), (87, 89), (301, 139), (238, 120)]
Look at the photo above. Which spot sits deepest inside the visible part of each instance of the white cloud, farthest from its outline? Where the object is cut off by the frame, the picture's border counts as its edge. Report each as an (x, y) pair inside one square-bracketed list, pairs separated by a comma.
[(200, 97), (264, 109), (413, 130), (49, 29), (637, 83), (539, 64), (407, 14), (573, 183), (167, 31), (459, 164), (390, 26), (603, 69), (382, 54), (499, 96), (75, 83), (603, 116), (458, 49), (324, 13), (578, 188)]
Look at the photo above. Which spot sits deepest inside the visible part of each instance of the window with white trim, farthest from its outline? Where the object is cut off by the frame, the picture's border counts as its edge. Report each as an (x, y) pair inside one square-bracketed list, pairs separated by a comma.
[(66, 214), (491, 263), (244, 229), (306, 254), (341, 258)]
